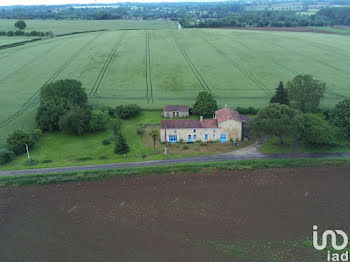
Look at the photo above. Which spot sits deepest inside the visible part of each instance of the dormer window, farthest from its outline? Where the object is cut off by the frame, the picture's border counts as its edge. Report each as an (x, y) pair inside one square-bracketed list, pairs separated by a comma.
[(175, 131), (214, 130)]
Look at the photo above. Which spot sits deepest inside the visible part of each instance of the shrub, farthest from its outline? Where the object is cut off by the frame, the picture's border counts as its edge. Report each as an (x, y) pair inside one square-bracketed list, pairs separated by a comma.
[(46, 161), (98, 120), (102, 157), (106, 142), (247, 110), (6, 156), (36, 134), (116, 126), (75, 121), (185, 147), (84, 158), (121, 147), (17, 141), (141, 129), (127, 111)]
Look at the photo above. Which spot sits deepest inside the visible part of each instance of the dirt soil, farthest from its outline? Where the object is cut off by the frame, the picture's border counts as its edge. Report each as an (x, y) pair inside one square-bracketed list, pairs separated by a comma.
[(162, 217), (288, 29)]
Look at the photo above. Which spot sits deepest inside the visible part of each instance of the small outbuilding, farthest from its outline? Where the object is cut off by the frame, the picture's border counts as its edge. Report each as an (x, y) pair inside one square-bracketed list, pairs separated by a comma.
[(176, 111)]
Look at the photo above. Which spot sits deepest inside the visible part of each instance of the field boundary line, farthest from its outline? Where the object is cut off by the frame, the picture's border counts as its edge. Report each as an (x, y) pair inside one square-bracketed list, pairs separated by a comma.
[(192, 65), (98, 81)]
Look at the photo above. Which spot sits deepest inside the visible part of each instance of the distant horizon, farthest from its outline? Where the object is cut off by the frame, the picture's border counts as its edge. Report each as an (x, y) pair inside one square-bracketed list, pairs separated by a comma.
[(87, 2)]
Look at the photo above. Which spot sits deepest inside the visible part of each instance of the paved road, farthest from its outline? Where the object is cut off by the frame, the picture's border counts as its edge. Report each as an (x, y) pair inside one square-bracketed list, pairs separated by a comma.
[(245, 154)]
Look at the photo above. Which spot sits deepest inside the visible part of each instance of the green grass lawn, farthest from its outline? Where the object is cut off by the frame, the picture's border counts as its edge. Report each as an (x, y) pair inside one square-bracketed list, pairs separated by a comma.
[(273, 146), (61, 149)]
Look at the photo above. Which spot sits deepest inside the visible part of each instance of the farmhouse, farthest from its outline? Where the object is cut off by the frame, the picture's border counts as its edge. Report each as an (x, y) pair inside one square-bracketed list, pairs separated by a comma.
[(175, 111), (227, 124)]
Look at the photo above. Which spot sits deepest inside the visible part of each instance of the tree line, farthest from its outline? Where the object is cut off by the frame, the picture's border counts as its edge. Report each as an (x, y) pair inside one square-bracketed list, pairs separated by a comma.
[(324, 17)]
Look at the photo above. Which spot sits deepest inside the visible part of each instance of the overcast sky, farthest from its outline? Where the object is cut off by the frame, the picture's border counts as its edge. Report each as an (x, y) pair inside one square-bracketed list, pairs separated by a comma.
[(59, 2)]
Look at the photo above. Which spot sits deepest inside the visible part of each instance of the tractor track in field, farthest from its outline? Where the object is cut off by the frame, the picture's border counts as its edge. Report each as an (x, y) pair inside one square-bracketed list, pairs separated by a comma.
[(328, 91), (100, 77), (34, 99), (294, 72), (149, 84), (240, 68), (28, 63), (192, 66)]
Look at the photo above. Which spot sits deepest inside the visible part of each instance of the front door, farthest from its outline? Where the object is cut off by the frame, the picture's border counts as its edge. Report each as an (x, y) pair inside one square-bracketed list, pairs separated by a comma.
[(189, 138), (223, 137)]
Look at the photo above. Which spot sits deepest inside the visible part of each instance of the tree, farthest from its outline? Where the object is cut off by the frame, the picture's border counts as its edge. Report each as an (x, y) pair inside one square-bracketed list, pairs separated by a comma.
[(71, 91), (20, 24), (6, 156), (75, 121), (205, 104), (98, 120), (340, 116), (121, 147), (281, 95), (313, 130), (275, 119), (305, 93), (17, 141), (56, 99), (154, 134)]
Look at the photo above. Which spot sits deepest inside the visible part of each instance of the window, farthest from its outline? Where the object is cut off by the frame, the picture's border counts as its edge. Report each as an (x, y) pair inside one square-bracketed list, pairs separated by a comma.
[(194, 130), (214, 130), (194, 137), (214, 136), (175, 131), (172, 139), (206, 137)]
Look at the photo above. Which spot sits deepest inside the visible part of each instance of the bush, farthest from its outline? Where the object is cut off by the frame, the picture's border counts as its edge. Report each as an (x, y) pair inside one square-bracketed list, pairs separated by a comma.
[(98, 120), (106, 142), (121, 147), (36, 134), (17, 141), (116, 126), (247, 110), (141, 129), (75, 121), (46, 161), (6, 156), (127, 111), (185, 147)]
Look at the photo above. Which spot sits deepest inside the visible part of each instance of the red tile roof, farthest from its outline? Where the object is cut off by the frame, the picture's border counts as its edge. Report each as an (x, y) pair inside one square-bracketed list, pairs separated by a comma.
[(176, 108), (226, 114), (189, 123)]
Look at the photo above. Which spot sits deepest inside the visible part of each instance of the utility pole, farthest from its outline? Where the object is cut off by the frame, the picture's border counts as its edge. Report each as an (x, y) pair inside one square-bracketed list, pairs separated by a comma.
[(28, 152), (166, 143)]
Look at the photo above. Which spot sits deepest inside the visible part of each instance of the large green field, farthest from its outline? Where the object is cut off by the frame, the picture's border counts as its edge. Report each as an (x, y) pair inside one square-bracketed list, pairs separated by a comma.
[(69, 26), (157, 67)]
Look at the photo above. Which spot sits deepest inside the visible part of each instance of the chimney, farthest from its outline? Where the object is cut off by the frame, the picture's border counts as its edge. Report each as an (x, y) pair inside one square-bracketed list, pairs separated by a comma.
[(201, 118)]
